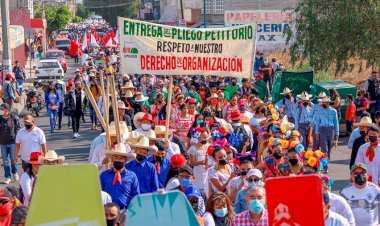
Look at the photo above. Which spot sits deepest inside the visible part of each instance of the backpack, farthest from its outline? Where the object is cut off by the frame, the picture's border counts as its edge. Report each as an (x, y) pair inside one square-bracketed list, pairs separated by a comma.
[(238, 137)]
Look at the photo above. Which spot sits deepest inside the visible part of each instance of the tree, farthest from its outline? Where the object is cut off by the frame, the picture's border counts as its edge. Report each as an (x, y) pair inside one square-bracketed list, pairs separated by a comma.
[(57, 17), (83, 12), (77, 19), (340, 33), (110, 12)]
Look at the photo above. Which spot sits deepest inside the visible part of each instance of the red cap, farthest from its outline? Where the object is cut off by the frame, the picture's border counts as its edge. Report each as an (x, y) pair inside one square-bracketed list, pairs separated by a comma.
[(147, 117), (34, 158), (259, 76), (243, 102), (177, 161), (235, 115), (9, 75)]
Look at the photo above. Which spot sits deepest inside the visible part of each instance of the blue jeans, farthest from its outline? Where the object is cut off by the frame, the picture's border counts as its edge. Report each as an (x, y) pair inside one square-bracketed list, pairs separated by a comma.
[(94, 119), (52, 117), (8, 150), (19, 85)]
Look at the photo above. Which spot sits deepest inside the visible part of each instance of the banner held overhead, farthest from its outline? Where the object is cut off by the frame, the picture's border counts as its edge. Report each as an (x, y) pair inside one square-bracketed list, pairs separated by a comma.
[(149, 48)]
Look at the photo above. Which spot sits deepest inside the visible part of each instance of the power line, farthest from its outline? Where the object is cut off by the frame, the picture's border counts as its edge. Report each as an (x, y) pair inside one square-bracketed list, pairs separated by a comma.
[(106, 6)]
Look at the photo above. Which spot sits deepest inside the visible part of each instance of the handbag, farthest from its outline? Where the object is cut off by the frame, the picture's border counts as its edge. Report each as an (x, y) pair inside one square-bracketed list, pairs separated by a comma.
[(54, 108)]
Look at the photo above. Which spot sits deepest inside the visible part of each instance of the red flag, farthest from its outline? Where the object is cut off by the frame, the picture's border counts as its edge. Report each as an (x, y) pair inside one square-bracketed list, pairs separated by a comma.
[(108, 36), (95, 35), (73, 48)]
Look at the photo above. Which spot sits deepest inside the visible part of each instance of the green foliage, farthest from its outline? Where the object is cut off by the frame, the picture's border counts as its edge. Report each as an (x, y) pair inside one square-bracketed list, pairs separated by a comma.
[(83, 12), (57, 17), (299, 68), (110, 14), (343, 33), (77, 19), (37, 10)]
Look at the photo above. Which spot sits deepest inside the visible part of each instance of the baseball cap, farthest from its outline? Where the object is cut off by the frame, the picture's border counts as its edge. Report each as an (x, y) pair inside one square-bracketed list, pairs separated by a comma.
[(254, 172), (186, 168), (5, 106), (172, 184), (192, 190), (359, 165), (9, 75)]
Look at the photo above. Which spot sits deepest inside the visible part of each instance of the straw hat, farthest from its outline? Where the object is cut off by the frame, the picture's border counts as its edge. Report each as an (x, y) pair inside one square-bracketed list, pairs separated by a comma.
[(121, 149), (151, 134), (50, 156), (112, 128), (128, 94), (258, 104), (128, 85), (134, 137), (121, 105), (144, 144), (304, 96), (141, 98), (364, 121), (137, 118), (213, 96), (161, 130), (322, 95), (286, 91), (326, 99), (285, 122)]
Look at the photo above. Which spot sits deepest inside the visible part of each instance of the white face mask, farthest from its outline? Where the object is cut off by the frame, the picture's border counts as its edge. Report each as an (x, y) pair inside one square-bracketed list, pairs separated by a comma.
[(146, 126), (1, 112)]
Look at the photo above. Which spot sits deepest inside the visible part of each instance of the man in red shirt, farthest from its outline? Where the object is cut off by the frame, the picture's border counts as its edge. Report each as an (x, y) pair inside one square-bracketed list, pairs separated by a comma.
[(350, 113), (266, 70), (6, 207)]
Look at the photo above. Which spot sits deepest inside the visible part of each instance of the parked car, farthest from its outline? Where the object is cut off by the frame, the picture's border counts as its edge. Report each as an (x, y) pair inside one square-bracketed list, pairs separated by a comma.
[(57, 55), (63, 44), (49, 69)]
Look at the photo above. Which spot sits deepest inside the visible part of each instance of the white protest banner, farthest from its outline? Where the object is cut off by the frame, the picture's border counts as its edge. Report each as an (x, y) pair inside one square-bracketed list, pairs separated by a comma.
[(270, 26), (148, 48)]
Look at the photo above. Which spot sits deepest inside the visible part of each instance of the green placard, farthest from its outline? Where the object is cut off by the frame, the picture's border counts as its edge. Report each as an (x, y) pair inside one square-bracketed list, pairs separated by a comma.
[(67, 195), (168, 209)]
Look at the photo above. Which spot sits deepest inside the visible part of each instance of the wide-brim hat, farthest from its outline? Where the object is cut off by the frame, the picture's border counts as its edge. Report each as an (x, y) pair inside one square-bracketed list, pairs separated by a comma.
[(136, 119), (285, 122), (326, 99), (134, 137), (322, 95), (128, 94), (258, 104), (141, 98), (151, 134), (50, 156), (304, 96), (121, 149), (286, 91), (161, 130), (34, 158), (144, 144), (112, 128), (121, 105), (213, 96), (364, 121), (128, 85)]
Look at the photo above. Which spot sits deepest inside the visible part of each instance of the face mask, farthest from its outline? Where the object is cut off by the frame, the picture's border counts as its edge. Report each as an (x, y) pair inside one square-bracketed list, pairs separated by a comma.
[(277, 155), (191, 92), (111, 222), (223, 162), (146, 126), (27, 126), (118, 165), (158, 158), (294, 162), (6, 209), (253, 183), (243, 173), (195, 207), (159, 101), (204, 142), (262, 111), (233, 83), (256, 206), (221, 212), (1, 112), (140, 158), (242, 108), (185, 182), (199, 122), (362, 133), (372, 139), (360, 180), (324, 105), (305, 104), (287, 97)]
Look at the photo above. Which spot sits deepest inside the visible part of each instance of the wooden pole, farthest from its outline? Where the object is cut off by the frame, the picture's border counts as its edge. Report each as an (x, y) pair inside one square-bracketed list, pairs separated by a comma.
[(94, 105), (106, 112), (104, 96), (168, 107), (115, 109)]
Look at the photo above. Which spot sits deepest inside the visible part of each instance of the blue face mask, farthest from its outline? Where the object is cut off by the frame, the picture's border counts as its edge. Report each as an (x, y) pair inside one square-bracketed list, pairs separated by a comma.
[(199, 122), (221, 212), (256, 206), (184, 182), (253, 183)]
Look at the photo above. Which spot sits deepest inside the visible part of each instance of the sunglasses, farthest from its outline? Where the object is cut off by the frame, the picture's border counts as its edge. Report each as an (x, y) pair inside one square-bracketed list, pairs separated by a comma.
[(4, 201), (359, 174), (253, 180)]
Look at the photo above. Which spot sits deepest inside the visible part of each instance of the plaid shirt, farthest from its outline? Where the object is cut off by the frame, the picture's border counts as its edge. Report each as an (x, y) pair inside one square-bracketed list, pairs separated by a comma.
[(244, 219)]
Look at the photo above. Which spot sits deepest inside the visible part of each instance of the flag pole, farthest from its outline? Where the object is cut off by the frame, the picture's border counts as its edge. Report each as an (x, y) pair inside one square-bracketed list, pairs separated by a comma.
[(168, 107)]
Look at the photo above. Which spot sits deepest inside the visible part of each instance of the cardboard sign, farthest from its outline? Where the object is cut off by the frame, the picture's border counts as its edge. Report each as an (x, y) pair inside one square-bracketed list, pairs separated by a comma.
[(67, 195), (168, 209), (148, 48), (295, 201)]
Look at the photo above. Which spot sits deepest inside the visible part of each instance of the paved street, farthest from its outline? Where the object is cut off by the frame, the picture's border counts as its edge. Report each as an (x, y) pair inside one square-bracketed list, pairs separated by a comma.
[(76, 150)]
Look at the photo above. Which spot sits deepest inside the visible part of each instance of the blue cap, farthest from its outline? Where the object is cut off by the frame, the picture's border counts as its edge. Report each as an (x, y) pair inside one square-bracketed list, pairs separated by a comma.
[(192, 190)]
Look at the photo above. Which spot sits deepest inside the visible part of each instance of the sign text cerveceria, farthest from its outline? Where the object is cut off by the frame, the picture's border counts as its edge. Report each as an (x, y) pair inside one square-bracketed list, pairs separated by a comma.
[(176, 33)]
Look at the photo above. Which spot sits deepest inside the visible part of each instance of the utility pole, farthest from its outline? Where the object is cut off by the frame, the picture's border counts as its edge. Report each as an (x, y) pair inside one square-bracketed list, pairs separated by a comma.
[(204, 13), (44, 18), (5, 35)]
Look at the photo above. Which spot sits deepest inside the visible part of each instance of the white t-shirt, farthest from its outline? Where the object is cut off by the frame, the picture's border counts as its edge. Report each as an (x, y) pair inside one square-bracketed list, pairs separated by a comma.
[(199, 171), (373, 167), (364, 203), (235, 183), (208, 219), (30, 141), (340, 206), (335, 219), (173, 149)]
